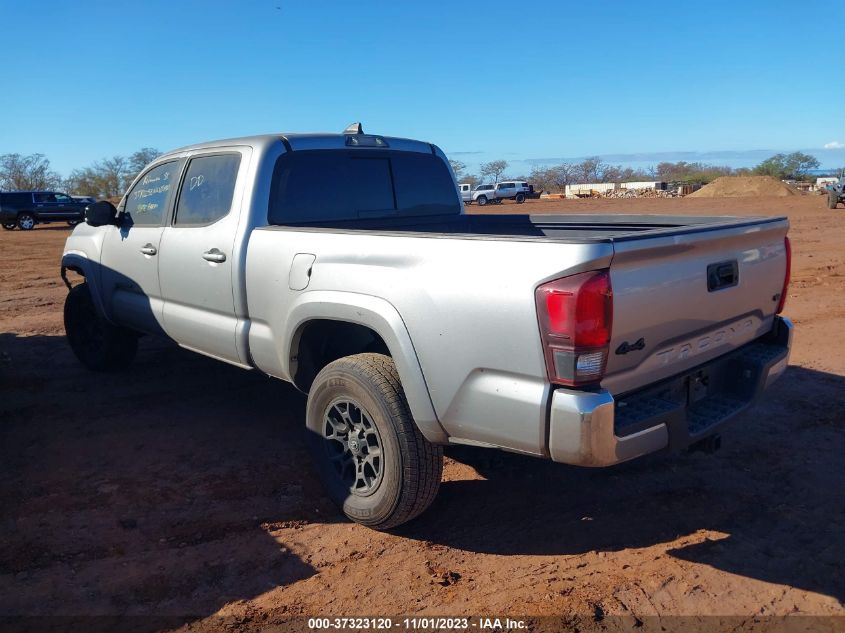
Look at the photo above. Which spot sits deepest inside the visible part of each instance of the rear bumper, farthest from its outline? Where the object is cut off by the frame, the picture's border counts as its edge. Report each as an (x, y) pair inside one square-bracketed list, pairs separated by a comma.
[(596, 429)]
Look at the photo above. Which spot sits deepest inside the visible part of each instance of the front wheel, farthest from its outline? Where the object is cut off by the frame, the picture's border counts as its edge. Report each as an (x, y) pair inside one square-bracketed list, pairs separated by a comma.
[(98, 344), (832, 199), (373, 460), (481, 200), (9, 226), (73, 222), (26, 221)]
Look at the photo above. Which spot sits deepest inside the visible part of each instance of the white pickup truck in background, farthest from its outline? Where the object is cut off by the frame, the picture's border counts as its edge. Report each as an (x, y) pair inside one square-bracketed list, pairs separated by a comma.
[(588, 340), (516, 190), (486, 192)]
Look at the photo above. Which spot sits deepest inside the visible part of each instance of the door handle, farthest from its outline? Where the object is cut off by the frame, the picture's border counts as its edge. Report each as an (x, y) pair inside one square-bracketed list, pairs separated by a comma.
[(214, 255), (722, 275), (149, 249)]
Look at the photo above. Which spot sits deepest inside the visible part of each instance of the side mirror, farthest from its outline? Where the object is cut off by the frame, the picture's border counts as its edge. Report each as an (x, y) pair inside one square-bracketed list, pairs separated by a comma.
[(101, 213)]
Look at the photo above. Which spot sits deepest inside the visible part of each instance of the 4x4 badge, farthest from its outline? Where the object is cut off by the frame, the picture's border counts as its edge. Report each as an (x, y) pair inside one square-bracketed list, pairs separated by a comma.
[(626, 347)]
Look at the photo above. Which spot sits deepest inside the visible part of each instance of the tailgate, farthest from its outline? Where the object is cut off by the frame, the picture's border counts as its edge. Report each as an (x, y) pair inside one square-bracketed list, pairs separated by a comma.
[(683, 300)]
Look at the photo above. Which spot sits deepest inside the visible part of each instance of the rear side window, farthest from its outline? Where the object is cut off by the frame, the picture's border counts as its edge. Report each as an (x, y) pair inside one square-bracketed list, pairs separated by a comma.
[(16, 199), (207, 190), (146, 201), (44, 197), (321, 186)]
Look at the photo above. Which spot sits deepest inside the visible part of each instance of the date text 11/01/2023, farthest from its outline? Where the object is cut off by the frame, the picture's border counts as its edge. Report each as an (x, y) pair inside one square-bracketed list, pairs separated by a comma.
[(416, 623)]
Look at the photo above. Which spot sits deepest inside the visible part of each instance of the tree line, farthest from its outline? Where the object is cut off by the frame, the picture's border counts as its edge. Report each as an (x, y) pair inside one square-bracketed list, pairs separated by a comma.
[(111, 177), (795, 165), (106, 178)]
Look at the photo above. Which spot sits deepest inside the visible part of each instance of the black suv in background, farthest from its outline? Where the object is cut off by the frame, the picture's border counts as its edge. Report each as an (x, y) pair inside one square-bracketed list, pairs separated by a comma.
[(25, 209)]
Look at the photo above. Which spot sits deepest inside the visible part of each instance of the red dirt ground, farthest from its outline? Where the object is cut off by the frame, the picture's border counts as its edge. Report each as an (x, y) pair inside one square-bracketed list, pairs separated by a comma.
[(182, 486)]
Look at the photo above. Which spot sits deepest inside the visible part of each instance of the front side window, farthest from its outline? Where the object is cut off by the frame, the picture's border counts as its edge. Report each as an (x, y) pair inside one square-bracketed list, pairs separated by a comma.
[(60, 197), (146, 201), (207, 190)]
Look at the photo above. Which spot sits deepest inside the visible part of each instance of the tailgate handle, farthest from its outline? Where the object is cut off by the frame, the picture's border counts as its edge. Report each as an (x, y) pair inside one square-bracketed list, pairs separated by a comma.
[(722, 275)]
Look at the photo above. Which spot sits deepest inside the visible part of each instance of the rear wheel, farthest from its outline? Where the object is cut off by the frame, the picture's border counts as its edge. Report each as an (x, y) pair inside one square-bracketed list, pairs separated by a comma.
[(9, 226), (98, 344), (520, 198), (481, 200), (373, 460), (26, 221), (832, 199), (73, 222)]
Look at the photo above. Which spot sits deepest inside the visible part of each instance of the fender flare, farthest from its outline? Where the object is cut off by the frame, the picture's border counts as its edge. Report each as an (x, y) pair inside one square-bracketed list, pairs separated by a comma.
[(382, 317), (79, 262)]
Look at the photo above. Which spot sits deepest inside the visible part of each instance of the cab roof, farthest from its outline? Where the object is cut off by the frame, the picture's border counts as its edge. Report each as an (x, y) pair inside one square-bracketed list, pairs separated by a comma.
[(297, 141)]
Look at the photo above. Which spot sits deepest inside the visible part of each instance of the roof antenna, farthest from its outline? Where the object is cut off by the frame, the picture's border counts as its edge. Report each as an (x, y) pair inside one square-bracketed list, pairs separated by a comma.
[(354, 128)]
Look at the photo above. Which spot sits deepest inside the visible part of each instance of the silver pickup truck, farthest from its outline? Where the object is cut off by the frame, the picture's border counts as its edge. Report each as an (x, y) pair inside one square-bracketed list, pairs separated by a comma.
[(588, 340)]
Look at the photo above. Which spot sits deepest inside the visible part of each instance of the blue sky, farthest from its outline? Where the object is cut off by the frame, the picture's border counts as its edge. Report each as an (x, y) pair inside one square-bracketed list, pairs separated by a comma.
[(532, 80)]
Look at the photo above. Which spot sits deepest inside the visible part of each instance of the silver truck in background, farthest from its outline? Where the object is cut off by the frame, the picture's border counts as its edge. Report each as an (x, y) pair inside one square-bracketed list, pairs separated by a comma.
[(588, 340)]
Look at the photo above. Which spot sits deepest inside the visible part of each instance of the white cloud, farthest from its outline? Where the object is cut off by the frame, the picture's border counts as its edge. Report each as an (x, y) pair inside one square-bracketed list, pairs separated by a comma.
[(834, 145)]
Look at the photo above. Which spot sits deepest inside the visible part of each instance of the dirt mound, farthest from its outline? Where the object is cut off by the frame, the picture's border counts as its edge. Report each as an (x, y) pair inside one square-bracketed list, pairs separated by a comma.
[(745, 187)]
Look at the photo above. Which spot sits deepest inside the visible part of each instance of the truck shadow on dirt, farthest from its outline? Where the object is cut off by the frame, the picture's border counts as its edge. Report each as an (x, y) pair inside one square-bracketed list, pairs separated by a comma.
[(774, 495), (153, 491), (156, 490)]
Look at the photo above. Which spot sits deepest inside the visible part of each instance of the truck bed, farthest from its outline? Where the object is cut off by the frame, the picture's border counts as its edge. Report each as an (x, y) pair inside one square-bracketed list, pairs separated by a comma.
[(443, 273), (567, 228)]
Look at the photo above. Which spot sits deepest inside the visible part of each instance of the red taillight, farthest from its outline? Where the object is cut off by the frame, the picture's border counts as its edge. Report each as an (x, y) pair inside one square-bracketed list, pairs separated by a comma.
[(788, 247), (576, 315)]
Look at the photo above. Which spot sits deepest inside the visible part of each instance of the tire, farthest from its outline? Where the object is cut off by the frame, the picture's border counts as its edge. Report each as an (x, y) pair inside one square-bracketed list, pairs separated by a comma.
[(26, 221), (98, 344), (832, 199), (357, 406), (73, 222), (481, 200), (520, 198), (9, 226)]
